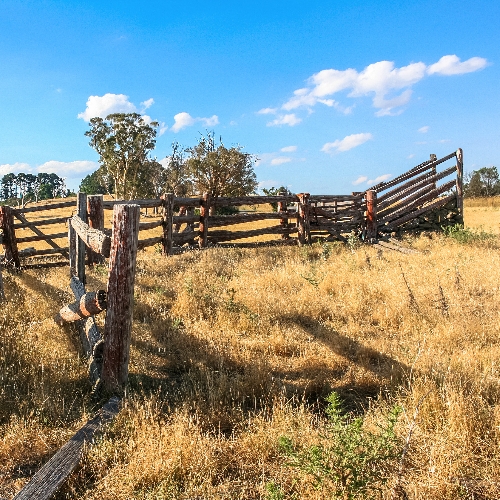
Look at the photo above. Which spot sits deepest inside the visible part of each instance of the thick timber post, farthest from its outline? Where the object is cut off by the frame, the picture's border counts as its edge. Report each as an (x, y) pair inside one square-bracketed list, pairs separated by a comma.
[(96, 221), (460, 183), (168, 229), (9, 235), (204, 213), (371, 215), (81, 248), (433, 157), (304, 226), (120, 296)]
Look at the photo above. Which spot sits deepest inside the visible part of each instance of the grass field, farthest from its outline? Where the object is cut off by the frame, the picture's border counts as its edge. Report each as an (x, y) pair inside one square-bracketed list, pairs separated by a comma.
[(234, 348)]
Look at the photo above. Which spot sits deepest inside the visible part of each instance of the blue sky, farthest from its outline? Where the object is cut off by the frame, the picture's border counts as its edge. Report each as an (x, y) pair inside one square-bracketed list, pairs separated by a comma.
[(330, 95)]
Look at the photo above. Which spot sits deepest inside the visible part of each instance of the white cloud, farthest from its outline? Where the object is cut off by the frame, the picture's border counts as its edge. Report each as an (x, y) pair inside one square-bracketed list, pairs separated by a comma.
[(210, 122), (15, 168), (390, 87), (451, 65), (288, 119), (183, 120), (380, 178), (424, 130), (360, 180), (347, 143), (267, 111), (147, 104), (280, 160), (410, 156), (102, 106), (269, 184), (69, 169), (289, 149)]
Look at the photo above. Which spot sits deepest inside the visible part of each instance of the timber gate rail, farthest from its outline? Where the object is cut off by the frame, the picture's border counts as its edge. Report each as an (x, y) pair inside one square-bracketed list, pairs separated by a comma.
[(381, 209)]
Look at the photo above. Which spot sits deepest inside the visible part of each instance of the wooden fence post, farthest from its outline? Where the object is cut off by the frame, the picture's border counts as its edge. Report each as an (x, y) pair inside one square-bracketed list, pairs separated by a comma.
[(72, 249), (304, 234), (96, 221), (204, 213), (283, 207), (118, 326), (9, 235), (371, 215), (2, 294), (168, 229), (81, 248), (460, 182)]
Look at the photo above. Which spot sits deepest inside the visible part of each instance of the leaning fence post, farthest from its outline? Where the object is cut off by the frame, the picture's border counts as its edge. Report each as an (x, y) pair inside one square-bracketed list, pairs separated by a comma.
[(168, 228), (433, 158), (95, 211), (120, 296), (9, 235), (81, 248), (204, 213), (460, 182), (371, 215), (303, 219)]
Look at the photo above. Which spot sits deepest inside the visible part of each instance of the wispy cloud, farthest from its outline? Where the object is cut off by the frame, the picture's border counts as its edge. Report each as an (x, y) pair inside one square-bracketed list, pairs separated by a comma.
[(289, 149), (380, 178), (288, 119), (280, 160), (424, 130), (267, 111), (183, 120), (347, 143), (389, 86), (360, 180)]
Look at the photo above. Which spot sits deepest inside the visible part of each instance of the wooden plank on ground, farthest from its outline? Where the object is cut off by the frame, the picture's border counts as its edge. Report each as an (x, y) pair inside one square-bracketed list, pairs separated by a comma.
[(51, 476)]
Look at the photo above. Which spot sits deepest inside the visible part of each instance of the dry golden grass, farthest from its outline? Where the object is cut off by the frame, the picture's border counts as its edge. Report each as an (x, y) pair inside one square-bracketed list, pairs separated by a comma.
[(233, 348)]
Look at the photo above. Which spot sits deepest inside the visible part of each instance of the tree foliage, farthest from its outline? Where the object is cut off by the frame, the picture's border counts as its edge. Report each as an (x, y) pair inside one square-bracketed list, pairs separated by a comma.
[(482, 182), (97, 182), (23, 188), (220, 171), (123, 142)]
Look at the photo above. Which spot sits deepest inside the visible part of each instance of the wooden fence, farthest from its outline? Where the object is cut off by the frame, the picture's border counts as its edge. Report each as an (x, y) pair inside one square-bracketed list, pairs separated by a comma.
[(300, 218)]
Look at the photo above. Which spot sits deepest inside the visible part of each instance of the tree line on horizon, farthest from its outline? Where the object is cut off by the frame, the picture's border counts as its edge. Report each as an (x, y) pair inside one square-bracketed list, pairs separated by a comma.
[(124, 142), (20, 189)]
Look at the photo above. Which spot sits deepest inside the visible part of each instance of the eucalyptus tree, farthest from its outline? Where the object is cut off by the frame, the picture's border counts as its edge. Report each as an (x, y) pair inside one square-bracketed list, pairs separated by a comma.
[(123, 142)]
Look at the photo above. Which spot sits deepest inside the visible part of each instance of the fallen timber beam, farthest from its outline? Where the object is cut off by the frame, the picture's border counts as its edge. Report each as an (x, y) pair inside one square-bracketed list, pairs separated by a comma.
[(427, 208), (95, 239), (46, 265), (89, 334), (108, 205), (428, 177), (41, 222), (51, 476), (49, 206), (90, 303), (43, 237)]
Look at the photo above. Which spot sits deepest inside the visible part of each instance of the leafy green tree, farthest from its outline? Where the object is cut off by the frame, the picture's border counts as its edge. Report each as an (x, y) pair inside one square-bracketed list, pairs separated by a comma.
[(482, 182), (96, 183), (272, 191), (220, 171), (123, 142)]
